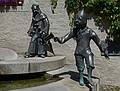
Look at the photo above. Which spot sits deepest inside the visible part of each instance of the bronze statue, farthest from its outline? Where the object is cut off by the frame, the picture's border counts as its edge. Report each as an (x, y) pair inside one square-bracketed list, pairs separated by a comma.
[(83, 35), (39, 33)]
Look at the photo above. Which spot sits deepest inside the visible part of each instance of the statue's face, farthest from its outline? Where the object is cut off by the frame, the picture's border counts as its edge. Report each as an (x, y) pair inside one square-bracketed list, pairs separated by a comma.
[(81, 19), (80, 22), (35, 9)]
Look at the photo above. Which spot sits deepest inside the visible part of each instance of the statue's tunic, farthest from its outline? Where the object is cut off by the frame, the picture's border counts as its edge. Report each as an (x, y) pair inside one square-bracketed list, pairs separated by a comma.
[(83, 38), (39, 29)]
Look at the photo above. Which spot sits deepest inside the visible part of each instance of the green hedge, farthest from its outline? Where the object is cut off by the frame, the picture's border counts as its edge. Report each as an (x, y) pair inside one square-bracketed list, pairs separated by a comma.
[(106, 13)]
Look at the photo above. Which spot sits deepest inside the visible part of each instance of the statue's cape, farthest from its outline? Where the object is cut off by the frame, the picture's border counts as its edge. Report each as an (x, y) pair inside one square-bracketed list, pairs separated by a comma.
[(50, 48), (40, 17)]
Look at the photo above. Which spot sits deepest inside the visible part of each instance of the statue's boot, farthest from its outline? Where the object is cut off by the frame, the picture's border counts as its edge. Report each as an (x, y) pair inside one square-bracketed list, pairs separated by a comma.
[(90, 76), (27, 55), (81, 80), (42, 56)]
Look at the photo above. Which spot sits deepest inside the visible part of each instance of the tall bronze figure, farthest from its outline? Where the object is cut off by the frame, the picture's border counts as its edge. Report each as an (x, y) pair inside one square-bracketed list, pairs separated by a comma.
[(39, 33), (83, 35)]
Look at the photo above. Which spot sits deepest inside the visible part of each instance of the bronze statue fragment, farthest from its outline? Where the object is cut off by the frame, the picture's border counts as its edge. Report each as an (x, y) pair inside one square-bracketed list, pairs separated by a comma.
[(83, 54), (39, 33)]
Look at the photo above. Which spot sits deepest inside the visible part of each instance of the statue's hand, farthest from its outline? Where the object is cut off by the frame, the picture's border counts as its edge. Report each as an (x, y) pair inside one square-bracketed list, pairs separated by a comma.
[(104, 49), (30, 33), (55, 39)]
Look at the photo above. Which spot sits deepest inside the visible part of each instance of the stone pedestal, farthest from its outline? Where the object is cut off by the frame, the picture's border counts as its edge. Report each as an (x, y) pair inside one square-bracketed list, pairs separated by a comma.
[(11, 64), (96, 86), (31, 65)]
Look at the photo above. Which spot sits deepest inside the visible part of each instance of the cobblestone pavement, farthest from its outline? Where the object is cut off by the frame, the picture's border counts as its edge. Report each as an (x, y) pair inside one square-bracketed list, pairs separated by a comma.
[(13, 35)]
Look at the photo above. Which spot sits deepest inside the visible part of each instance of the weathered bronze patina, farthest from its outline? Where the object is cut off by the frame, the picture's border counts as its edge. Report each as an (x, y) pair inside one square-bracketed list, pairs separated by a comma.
[(83, 54), (39, 33)]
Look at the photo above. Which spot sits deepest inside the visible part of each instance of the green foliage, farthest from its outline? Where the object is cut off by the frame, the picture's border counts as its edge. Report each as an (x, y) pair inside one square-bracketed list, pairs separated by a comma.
[(106, 13), (73, 6)]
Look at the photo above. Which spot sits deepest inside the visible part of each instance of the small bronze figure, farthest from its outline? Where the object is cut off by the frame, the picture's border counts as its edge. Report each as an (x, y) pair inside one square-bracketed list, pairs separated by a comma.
[(39, 33), (83, 35)]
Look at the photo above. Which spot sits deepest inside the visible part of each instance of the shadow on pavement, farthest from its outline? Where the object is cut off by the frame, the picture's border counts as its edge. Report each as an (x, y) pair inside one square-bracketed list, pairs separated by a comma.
[(75, 76)]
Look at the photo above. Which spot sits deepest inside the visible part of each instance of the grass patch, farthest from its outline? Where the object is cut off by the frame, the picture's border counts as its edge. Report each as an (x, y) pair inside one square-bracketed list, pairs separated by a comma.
[(12, 82)]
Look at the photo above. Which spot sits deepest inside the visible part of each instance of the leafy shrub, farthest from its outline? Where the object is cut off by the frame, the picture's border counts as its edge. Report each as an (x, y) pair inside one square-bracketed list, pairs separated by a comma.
[(106, 14)]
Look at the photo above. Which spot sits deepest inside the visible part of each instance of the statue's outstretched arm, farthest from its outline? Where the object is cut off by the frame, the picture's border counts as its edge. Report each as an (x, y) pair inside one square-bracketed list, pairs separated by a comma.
[(65, 38), (31, 30)]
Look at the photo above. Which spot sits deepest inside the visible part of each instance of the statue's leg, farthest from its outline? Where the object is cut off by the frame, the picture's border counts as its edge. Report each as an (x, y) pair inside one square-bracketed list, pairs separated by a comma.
[(31, 49), (90, 66), (89, 70), (42, 51), (80, 66)]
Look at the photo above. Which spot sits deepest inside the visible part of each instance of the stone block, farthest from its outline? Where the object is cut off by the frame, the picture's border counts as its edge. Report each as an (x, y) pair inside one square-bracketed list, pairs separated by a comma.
[(45, 64), (31, 65), (13, 67), (96, 86)]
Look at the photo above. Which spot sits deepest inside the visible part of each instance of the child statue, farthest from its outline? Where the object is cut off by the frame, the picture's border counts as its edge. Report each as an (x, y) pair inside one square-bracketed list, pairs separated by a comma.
[(83, 35)]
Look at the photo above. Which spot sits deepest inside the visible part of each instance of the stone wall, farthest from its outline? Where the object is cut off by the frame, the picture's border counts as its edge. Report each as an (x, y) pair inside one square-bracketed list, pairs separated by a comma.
[(14, 25)]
